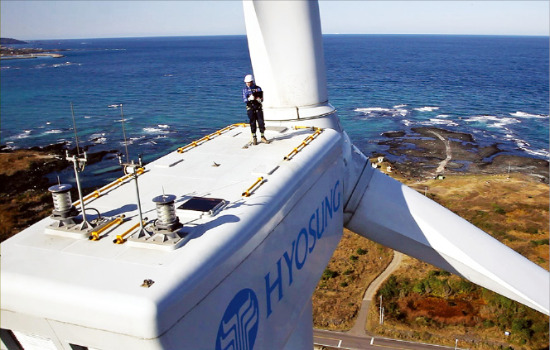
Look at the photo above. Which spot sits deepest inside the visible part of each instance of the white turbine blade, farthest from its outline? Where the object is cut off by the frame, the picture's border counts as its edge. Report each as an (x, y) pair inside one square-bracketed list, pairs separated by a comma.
[(398, 217)]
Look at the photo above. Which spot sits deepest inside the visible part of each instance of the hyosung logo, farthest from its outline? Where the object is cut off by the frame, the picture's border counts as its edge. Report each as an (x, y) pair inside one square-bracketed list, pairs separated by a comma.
[(239, 325)]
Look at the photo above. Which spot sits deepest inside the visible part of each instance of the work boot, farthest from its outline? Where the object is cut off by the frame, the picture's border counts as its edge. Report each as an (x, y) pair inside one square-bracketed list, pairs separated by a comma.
[(264, 140)]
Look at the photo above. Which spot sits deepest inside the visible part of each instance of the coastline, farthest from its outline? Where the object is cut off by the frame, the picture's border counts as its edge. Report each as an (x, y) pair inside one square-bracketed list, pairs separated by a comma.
[(24, 198), (484, 176), (417, 155), (31, 55), (24, 183), (9, 53)]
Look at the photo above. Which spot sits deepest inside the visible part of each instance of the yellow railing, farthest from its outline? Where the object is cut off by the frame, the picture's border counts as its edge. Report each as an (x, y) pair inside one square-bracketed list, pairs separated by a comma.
[(95, 234), (120, 238), (304, 143), (255, 185), (208, 137), (98, 193)]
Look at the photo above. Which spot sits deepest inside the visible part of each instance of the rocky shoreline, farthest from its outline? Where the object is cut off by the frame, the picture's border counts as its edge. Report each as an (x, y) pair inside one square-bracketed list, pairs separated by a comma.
[(418, 155), (425, 153), (7, 53), (24, 196)]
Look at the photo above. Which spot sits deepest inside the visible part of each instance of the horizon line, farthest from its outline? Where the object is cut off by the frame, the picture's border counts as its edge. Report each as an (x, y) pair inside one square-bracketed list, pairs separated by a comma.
[(244, 35)]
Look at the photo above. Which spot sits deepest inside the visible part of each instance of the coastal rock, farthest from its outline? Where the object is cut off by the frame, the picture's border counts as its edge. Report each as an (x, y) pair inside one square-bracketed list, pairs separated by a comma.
[(393, 134), (420, 153), (23, 53)]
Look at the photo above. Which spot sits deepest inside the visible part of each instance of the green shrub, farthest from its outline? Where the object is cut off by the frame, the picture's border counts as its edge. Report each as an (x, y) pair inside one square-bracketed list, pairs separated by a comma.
[(498, 209), (389, 289), (540, 242), (419, 288), (328, 273)]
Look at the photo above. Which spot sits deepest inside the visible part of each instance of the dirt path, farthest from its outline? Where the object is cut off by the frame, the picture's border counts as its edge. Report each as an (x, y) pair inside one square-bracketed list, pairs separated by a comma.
[(359, 326), (444, 162)]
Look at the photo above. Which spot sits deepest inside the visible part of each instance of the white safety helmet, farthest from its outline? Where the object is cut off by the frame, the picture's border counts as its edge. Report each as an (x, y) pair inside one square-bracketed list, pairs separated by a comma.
[(249, 78)]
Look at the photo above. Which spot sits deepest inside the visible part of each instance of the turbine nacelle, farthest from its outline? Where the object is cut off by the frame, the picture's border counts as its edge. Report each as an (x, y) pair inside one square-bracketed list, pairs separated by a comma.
[(377, 207)]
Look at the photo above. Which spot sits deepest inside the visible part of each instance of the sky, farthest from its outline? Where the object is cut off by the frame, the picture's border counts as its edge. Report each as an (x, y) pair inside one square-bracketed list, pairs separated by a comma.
[(43, 19)]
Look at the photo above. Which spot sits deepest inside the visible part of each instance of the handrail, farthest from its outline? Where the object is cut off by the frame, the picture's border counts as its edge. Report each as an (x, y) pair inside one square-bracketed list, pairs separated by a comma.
[(120, 238), (208, 137), (305, 142), (98, 193), (260, 181), (95, 234)]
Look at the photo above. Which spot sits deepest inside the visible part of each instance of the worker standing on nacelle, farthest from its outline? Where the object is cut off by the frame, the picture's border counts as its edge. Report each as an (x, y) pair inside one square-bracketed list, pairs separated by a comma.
[(253, 97)]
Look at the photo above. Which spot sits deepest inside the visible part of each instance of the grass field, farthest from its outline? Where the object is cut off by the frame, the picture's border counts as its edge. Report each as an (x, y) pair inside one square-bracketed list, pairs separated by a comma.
[(423, 303)]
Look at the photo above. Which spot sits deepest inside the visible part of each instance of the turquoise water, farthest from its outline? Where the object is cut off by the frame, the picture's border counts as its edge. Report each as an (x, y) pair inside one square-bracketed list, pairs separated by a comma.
[(177, 89)]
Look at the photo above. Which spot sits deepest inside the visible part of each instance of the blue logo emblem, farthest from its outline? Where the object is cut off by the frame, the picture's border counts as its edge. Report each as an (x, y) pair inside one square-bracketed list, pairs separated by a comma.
[(239, 325)]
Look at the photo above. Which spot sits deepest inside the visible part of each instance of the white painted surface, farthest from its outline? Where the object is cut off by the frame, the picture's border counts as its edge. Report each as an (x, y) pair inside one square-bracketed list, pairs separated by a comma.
[(286, 50), (90, 291)]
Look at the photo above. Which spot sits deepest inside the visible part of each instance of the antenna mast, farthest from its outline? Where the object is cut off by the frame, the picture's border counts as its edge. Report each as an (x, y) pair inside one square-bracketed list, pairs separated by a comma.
[(130, 167), (79, 164), (75, 133), (124, 132)]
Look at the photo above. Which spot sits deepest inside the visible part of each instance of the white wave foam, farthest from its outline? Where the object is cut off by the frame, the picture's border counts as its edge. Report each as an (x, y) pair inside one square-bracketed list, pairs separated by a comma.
[(522, 144), (57, 65), (155, 130), (98, 138), (125, 120), (426, 109), (10, 145), (163, 126), (540, 152), (23, 135), (493, 121), (54, 131), (442, 116), (131, 140), (383, 112), (525, 146), (520, 114), (436, 121), (369, 109), (406, 122), (399, 106)]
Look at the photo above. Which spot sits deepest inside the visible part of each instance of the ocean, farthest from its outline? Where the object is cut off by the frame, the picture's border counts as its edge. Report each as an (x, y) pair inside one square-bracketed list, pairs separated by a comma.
[(177, 89)]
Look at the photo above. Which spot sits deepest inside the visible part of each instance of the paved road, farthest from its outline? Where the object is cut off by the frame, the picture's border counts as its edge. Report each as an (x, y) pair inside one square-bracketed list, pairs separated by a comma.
[(358, 328), (337, 340), (356, 338), (444, 162)]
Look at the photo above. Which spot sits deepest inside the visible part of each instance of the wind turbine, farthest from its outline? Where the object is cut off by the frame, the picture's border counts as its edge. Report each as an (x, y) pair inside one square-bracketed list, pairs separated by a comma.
[(236, 249)]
